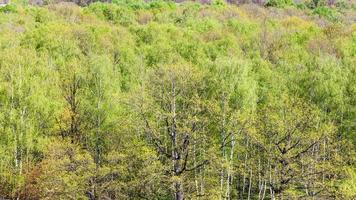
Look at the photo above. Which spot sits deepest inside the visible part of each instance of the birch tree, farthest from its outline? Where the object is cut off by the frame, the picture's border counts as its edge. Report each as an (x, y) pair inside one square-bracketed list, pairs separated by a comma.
[(172, 111)]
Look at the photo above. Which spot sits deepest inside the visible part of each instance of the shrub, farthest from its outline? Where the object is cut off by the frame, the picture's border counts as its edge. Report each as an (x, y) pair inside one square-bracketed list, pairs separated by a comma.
[(159, 4), (68, 11), (40, 15), (280, 3), (111, 12), (10, 8), (130, 4), (219, 3), (329, 13)]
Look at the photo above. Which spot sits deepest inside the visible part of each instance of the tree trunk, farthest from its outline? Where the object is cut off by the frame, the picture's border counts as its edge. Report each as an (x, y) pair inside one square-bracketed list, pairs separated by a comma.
[(260, 181), (250, 185), (245, 167), (229, 177), (224, 156), (195, 163), (179, 195), (271, 183)]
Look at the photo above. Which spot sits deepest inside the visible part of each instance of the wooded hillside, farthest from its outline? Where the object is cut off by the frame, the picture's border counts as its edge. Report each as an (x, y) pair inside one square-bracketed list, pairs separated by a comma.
[(165, 100)]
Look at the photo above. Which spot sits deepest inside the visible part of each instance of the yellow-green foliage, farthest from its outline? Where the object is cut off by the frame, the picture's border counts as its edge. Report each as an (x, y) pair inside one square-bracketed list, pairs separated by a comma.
[(80, 85)]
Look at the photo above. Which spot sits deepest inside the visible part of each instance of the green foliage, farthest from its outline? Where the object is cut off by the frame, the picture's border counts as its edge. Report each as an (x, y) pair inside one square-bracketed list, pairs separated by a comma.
[(112, 12), (280, 3), (140, 4), (65, 172), (147, 100), (347, 188), (10, 8), (219, 3), (329, 13)]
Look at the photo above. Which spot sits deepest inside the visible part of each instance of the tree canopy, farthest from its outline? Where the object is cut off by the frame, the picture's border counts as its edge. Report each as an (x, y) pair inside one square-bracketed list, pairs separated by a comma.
[(165, 100)]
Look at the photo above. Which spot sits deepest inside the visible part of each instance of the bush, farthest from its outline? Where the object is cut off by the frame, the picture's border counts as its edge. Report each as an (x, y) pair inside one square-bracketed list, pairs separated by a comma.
[(40, 15), (130, 4), (219, 3), (111, 12), (280, 3), (10, 8), (159, 4), (327, 12)]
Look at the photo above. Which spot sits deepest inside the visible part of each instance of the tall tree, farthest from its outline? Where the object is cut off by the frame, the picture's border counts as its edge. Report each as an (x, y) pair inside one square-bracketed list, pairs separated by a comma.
[(292, 134), (173, 109)]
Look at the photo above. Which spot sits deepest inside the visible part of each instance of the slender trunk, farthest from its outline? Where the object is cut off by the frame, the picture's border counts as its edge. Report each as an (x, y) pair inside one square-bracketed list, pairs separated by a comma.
[(265, 180), (20, 131), (245, 167), (230, 168), (316, 151), (196, 181), (324, 159), (271, 182), (260, 182), (306, 184), (221, 182), (223, 136), (13, 127), (202, 178), (21, 138), (264, 189), (250, 185), (179, 195)]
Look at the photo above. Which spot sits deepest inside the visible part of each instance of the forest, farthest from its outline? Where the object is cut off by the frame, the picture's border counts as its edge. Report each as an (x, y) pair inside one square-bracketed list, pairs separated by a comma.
[(209, 100)]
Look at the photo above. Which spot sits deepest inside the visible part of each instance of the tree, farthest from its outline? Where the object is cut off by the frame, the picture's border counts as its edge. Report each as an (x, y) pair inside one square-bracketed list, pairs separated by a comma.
[(295, 141), (173, 110), (65, 171), (235, 97), (27, 116)]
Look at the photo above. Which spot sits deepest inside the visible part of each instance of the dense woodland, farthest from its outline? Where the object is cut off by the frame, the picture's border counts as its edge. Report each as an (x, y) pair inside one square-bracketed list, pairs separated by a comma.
[(165, 100)]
